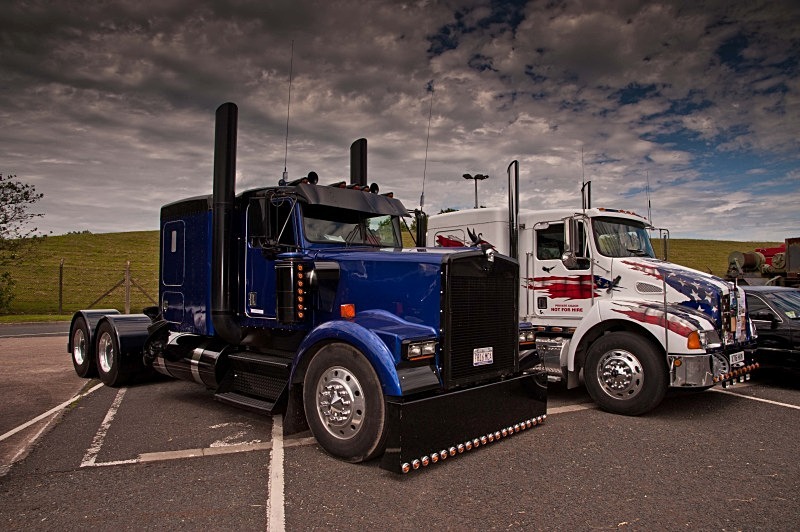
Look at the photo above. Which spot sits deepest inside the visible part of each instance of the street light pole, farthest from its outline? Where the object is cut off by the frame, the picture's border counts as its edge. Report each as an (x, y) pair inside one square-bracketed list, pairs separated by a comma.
[(476, 178)]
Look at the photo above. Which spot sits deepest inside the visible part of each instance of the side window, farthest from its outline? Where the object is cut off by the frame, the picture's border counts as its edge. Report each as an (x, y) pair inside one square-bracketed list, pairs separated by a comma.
[(550, 242), (283, 227), (270, 224), (756, 306)]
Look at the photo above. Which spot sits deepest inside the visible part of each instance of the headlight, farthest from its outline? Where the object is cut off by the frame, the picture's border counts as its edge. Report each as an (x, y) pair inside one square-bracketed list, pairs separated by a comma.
[(704, 339), (526, 334), (420, 350)]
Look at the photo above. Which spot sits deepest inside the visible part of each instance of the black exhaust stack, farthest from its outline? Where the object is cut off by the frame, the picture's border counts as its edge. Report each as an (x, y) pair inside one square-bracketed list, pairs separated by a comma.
[(224, 265), (358, 162)]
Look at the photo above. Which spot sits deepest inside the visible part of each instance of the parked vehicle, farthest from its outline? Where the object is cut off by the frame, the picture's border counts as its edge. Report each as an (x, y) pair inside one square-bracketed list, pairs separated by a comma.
[(779, 266), (604, 308), (775, 311), (298, 298)]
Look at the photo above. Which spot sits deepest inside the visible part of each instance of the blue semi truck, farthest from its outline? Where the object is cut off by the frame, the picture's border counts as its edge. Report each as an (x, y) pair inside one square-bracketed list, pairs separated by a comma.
[(299, 299)]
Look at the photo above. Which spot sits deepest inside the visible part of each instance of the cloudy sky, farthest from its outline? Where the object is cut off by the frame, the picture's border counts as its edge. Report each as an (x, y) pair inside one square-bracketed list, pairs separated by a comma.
[(108, 107)]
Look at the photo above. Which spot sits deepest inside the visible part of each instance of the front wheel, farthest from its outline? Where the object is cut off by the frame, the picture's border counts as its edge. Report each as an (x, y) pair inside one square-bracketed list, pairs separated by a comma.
[(109, 359), (625, 374), (82, 353), (344, 404)]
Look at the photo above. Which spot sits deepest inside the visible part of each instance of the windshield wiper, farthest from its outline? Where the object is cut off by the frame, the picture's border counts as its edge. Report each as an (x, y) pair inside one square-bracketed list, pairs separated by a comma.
[(637, 252), (351, 236)]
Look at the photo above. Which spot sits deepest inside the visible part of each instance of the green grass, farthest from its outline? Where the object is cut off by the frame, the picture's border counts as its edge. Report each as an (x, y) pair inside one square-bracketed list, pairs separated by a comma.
[(94, 263)]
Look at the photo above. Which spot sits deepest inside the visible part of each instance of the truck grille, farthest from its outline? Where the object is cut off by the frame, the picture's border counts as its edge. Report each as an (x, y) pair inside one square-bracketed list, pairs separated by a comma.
[(479, 303)]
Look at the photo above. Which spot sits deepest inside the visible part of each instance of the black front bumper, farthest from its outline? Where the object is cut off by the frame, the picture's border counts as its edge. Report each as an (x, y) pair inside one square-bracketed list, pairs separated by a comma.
[(431, 429)]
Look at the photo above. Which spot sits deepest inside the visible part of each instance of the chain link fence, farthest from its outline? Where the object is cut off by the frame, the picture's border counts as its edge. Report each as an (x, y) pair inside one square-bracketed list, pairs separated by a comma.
[(66, 286)]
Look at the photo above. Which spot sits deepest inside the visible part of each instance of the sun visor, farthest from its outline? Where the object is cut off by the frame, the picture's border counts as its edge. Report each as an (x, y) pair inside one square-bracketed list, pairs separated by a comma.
[(356, 200)]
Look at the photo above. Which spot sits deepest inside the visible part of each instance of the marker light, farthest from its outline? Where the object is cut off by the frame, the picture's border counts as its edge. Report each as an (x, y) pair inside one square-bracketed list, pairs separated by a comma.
[(348, 311), (693, 341)]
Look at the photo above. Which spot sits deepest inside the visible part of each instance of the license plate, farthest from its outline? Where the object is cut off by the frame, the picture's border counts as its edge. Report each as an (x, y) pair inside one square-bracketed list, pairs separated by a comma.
[(482, 356), (737, 357)]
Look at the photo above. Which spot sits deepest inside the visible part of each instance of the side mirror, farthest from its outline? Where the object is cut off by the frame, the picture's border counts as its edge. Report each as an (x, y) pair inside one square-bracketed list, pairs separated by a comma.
[(572, 239), (569, 260)]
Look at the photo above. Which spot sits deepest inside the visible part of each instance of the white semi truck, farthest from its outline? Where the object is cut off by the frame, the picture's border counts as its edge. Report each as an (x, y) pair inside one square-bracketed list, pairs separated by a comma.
[(604, 309)]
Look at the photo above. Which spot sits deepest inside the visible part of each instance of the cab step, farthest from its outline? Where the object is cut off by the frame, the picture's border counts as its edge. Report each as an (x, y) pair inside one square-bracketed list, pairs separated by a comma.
[(247, 402), (256, 382)]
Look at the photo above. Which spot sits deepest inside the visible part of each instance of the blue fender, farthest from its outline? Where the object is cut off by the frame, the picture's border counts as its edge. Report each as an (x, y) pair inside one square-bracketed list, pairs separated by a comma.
[(131, 332), (91, 317), (363, 339)]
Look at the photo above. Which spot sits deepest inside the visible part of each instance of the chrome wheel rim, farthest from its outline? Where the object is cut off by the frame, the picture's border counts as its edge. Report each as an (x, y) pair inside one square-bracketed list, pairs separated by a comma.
[(340, 403), (105, 349), (79, 347), (620, 374)]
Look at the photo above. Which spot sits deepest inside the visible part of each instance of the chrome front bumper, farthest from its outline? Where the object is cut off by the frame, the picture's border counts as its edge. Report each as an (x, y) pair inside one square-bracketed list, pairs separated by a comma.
[(708, 369)]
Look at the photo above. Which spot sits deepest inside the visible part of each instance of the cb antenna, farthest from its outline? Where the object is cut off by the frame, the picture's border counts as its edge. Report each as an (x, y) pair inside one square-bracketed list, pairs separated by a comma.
[(288, 107), (586, 187), (649, 213), (428, 138)]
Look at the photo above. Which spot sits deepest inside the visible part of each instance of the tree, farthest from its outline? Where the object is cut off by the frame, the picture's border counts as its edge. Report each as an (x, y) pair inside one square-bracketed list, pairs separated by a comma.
[(16, 238)]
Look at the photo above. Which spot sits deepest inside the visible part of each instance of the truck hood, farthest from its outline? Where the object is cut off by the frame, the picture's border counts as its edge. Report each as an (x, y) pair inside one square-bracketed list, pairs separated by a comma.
[(404, 282), (718, 299)]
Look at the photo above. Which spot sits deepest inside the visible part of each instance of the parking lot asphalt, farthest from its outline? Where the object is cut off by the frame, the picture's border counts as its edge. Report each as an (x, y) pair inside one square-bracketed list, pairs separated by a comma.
[(165, 455)]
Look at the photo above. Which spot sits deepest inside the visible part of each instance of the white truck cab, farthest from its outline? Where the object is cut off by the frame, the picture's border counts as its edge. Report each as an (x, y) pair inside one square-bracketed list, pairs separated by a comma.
[(604, 308)]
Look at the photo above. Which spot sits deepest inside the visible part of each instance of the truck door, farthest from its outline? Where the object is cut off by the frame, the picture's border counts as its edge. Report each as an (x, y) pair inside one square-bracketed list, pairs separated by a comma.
[(173, 270), (559, 290), (270, 230)]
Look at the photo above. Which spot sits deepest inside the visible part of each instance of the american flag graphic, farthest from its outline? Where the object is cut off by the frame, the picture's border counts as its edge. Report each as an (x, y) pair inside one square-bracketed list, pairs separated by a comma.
[(701, 294), (569, 286), (681, 323)]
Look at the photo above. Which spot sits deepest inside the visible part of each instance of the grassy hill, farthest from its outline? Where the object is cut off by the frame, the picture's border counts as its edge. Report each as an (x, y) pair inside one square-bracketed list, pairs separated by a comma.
[(94, 264)]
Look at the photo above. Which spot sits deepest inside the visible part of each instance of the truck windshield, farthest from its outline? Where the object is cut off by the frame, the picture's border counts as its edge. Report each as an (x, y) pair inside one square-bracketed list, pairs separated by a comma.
[(617, 237), (331, 225)]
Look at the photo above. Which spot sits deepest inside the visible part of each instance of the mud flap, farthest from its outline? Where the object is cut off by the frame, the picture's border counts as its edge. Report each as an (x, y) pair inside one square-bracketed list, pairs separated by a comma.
[(431, 429)]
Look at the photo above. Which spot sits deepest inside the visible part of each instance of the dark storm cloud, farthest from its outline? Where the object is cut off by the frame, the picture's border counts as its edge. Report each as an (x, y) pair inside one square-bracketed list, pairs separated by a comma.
[(108, 107)]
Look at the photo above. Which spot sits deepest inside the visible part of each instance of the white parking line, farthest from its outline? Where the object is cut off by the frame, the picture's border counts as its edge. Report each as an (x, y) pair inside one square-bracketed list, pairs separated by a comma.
[(776, 403), (97, 443), (62, 406), (276, 521)]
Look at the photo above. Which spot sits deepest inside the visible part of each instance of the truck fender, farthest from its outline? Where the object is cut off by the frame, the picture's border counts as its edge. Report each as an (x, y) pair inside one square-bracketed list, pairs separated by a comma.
[(91, 317), (589, 321), (130, 330), (647, 318), (363, 339)]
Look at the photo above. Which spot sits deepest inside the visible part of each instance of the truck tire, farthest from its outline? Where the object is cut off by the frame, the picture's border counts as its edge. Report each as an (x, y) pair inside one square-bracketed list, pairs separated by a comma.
[(110, 367), (625, 374), (83, 359), (344, 404)]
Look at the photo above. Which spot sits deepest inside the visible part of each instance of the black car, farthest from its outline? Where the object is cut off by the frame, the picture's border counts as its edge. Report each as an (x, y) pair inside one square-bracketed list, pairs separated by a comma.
[(775, 311)]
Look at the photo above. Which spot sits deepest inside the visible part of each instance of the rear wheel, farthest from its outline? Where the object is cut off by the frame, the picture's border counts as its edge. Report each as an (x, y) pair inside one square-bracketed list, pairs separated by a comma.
[(109, 359), (625, 374), (344, 404), (83, 359)]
